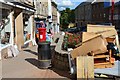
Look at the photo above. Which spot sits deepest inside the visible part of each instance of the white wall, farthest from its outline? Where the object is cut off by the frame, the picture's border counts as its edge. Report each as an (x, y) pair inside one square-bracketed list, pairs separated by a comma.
[(49, 14), (49, 8), (58, 17), (58, 21)]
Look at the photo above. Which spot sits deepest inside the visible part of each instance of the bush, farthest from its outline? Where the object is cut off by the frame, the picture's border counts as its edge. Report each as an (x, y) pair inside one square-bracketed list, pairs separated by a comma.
[(71, 40)]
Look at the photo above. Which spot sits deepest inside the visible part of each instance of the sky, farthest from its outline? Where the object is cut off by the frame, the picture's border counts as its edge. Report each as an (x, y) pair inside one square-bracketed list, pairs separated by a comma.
[(72, 4)]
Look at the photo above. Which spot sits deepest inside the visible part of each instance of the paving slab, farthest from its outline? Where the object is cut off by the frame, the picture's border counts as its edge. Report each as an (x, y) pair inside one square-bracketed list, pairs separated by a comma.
[(25, 65)]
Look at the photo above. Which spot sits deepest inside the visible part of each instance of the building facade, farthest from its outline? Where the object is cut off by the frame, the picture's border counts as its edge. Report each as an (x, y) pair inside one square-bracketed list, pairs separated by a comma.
[(16, 24), (116, 15), (41, 8), (83, 14), (97, 13), (54, 17), (58, 21), (46, 10)]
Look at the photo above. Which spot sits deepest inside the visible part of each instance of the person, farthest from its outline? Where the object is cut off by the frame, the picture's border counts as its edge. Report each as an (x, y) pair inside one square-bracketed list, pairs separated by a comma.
[(42, 24)]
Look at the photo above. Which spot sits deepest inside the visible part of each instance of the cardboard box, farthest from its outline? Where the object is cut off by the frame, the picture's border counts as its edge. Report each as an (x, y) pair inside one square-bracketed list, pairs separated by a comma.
[(88, 35), (98, 45)]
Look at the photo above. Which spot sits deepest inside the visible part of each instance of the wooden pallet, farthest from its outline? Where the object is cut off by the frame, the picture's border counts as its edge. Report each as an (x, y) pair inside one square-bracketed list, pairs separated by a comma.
[(101, 56), (104, 64)]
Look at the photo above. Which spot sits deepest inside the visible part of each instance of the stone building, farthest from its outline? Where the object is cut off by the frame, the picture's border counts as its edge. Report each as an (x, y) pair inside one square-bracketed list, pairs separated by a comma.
[(54, 16), (83, 14), (98, 13), (46, 10), (16, 25), (116, 15)]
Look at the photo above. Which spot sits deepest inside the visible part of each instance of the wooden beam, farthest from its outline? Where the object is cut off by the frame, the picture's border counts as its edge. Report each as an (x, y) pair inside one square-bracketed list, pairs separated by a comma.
[(85, 67), (101, 56), (19, 29), (117, 42), (103, 65)]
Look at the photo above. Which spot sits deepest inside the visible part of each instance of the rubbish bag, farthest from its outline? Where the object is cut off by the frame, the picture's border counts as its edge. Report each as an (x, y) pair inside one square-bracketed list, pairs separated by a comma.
[(114, 49)]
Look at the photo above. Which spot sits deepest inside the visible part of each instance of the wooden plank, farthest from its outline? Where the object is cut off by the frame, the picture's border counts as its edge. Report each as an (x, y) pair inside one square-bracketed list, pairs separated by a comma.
[(19, 29), (110, 53), (104, 65), (90, 66), (85, 67), (117, 42), (110, 39), (105, 31), (101, 56), (99, 28), (80, 67), (88, 35)]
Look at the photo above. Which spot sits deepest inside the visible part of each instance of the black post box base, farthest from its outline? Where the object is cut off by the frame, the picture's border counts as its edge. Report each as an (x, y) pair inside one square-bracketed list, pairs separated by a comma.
[(44, 64)]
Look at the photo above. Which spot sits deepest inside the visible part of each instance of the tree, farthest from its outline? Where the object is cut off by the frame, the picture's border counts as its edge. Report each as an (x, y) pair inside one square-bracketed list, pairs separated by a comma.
[(67, 16)]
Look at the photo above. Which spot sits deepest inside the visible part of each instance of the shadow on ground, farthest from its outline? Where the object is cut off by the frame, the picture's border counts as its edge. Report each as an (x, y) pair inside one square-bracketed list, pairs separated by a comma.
[(33, 61), (62, 73), (35, 53), (65, 74)]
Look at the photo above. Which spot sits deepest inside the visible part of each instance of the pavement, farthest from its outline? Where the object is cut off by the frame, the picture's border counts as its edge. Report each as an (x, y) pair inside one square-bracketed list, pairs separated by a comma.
[(25, 65)]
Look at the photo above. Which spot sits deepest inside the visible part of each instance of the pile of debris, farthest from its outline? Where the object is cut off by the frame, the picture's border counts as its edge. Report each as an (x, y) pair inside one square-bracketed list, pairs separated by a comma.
[(101, 42)]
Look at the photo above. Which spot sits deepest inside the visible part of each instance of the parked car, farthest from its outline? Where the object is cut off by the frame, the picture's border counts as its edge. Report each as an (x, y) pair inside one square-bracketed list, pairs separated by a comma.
[(76, 29), (110, 24), (72, 30)]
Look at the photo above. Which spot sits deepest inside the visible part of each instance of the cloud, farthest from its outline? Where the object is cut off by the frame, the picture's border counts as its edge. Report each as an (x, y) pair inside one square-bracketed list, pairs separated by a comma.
[(65, 3), (61, 8), (62, 4)]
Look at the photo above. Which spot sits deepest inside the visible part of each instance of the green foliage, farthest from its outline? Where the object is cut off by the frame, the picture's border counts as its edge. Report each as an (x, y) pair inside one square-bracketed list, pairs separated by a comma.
[(71, 40), (67, 16)]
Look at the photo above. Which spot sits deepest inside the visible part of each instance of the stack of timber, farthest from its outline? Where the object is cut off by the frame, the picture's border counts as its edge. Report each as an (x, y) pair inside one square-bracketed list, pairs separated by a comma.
[(105, 60), (95, 42)]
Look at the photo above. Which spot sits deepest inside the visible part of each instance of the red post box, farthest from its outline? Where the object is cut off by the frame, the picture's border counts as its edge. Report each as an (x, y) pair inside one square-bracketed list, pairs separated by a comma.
[(42, 34)]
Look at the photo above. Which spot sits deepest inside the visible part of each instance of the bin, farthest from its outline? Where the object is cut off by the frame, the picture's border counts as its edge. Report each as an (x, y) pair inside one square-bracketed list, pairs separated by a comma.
[(42, 34), (44, 54)]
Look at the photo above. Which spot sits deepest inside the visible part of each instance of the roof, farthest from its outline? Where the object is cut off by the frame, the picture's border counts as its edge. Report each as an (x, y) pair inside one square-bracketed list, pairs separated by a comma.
[(83, 3), (24, 5)]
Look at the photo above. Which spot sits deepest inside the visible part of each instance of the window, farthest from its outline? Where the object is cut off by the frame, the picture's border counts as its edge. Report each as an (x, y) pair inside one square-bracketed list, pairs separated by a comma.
[(5, 27), (27, 27)]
